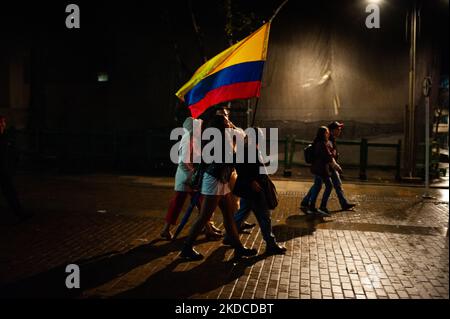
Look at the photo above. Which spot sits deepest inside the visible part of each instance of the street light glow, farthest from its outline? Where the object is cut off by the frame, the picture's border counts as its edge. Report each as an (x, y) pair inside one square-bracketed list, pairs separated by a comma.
[(375, 1)]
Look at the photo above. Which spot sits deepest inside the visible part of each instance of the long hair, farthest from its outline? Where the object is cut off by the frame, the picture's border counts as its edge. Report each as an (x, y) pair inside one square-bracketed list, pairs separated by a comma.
[(321, 134)]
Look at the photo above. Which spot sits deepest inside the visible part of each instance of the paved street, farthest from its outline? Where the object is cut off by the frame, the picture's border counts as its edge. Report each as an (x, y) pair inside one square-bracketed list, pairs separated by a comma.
[(393, 245)]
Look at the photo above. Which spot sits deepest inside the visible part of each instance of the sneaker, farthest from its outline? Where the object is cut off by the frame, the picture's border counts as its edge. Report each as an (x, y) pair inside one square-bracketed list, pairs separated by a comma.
[(311, 211), (214, 228), (167, 235), (211, 235), (348, 206), (190, 254), (275, 249), (227, 241), (212, 232), (242, 251), (323, 212), (246, 225)]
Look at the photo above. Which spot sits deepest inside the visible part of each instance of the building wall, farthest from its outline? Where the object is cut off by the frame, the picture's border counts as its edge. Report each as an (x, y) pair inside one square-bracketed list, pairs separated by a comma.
[(323, 66)]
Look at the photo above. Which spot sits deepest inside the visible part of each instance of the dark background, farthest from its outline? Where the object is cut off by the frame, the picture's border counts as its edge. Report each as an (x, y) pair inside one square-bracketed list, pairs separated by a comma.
[(49, 88)]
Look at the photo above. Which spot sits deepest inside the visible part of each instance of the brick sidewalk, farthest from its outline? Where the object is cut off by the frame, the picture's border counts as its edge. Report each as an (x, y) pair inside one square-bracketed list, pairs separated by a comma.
[(393, 245)]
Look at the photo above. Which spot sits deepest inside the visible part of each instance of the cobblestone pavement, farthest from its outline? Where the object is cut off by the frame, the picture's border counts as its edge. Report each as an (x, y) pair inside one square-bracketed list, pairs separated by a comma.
[(393, 245)]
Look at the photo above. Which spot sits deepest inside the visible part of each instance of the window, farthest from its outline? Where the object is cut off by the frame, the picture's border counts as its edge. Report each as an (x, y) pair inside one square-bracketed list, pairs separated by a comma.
[(102, 77)]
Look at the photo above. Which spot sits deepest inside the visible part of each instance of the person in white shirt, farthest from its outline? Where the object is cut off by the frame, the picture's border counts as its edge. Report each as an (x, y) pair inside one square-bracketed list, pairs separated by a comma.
[(182, 185)]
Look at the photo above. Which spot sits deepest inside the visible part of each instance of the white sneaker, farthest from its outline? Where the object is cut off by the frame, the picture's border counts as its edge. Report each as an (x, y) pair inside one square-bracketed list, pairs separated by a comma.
[(323, 212)]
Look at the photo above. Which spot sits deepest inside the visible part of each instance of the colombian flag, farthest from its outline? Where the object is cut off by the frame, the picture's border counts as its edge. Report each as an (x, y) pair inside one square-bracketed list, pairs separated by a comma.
[(232, 74)]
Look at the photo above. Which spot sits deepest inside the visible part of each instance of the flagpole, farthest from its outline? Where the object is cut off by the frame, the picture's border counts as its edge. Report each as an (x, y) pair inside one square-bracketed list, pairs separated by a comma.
[(254, 112), (271, 19), (278, 10)]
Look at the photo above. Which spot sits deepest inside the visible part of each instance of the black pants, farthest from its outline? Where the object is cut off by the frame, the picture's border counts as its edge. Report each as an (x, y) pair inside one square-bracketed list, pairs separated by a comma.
[(9, 192)]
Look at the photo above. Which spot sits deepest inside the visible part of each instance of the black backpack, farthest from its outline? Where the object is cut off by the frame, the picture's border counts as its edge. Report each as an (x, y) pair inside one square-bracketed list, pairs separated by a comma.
[(309, 153)]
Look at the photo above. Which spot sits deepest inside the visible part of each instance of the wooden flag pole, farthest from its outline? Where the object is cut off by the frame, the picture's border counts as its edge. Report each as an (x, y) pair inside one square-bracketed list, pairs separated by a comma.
[(273, 17)]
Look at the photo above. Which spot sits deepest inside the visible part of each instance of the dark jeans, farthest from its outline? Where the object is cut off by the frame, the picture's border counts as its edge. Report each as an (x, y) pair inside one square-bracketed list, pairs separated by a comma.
[(9, 192), (337, 184), (313, 193), (262, 213)]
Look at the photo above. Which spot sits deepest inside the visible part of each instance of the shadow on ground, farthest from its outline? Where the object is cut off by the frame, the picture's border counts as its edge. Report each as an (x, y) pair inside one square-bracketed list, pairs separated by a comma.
[(94, 272), (297, 226), (210, 274), (207, 276)]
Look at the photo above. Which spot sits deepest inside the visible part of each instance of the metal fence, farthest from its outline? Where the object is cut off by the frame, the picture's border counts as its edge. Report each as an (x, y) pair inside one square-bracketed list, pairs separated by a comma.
[(291, 143), (149, 151)]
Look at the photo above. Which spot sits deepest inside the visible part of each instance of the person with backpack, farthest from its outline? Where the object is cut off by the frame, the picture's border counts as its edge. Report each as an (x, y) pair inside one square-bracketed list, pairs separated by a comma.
[(322, 162)]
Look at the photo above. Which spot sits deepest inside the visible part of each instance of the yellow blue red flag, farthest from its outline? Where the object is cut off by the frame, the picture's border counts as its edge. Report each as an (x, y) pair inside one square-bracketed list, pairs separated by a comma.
[(235, 73)]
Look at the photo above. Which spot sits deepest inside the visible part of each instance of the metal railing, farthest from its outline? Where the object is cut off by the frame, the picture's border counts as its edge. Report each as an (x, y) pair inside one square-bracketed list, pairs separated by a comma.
[(290, 143), (143, 149)]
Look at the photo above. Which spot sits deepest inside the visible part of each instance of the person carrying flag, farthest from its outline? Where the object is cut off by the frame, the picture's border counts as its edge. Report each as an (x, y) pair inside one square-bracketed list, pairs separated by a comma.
[(235, 73)]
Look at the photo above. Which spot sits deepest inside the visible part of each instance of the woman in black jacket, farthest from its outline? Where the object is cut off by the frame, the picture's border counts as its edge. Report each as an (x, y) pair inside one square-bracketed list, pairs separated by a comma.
[(321, 168), (252, 179)]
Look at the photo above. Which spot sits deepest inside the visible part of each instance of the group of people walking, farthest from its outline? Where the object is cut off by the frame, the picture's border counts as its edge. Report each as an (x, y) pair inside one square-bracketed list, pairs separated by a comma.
[(237, 188), (326, 170), (221, 183)]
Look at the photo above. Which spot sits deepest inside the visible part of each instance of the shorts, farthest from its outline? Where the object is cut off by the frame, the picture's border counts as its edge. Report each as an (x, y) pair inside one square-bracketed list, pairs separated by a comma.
[(212, 186)]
